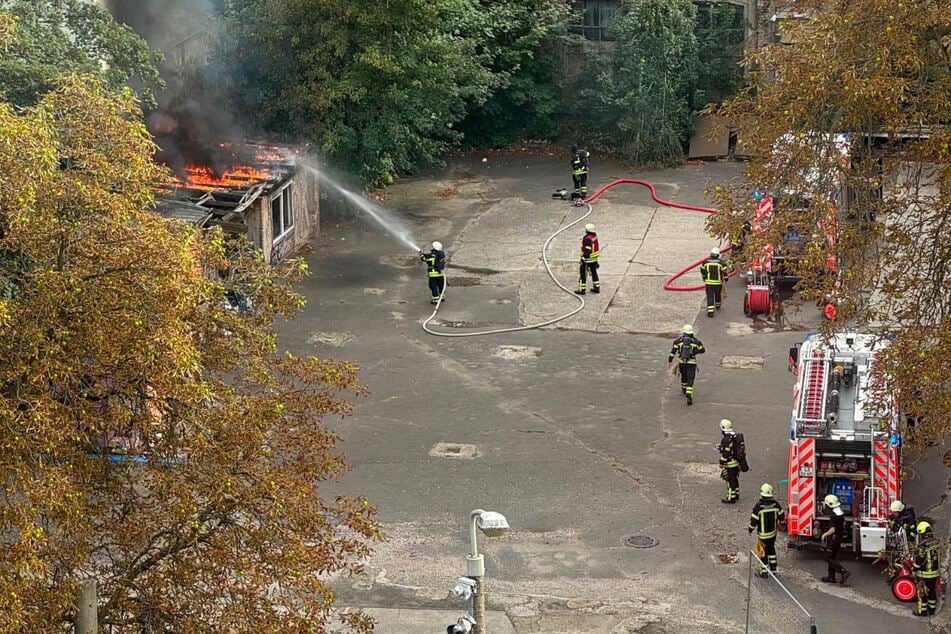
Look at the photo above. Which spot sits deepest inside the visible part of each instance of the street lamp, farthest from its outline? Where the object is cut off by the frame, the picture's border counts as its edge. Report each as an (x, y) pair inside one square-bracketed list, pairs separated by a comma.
[(493, 525)]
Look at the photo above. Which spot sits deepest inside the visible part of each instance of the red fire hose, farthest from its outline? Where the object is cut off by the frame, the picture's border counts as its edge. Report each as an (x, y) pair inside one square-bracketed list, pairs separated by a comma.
[(668, 283)]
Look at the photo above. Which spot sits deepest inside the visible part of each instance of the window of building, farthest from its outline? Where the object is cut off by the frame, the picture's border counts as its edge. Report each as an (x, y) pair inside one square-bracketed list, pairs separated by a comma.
[(282, 213), (597, 18)]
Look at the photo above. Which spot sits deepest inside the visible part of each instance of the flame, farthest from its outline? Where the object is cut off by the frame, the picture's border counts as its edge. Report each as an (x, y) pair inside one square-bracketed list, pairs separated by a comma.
[(237, 177)]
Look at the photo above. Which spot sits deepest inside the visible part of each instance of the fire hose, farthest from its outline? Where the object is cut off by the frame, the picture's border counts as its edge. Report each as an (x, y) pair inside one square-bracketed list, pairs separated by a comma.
[(668, 283)]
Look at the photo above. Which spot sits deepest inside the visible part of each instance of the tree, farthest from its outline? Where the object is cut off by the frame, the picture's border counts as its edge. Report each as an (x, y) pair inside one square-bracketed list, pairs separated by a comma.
[(849, 125), (376, 86), (150, 439), (634, 101), (521, 40), (48, 38), (720, 38)]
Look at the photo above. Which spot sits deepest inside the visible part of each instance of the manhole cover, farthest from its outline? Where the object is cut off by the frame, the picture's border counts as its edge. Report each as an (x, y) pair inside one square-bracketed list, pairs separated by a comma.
[(640, 541), (454, 450)]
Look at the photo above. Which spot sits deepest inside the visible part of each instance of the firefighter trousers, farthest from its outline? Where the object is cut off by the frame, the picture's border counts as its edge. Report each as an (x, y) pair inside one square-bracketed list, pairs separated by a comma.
[(583, 277), (733, 485), (769, 551), (834, 566), (928, 600), (436, 286), (688, 372), (581, 185), (714, 294)]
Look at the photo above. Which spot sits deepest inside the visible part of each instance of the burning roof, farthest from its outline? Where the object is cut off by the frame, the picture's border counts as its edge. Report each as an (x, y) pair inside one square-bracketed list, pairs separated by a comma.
[(226, 190)]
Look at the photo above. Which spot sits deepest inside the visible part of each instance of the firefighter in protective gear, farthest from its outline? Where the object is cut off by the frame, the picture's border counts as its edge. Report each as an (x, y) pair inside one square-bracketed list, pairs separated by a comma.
[(927, 569), (833, 539), (901, 521), (590, 250), (729, 461), (713, 274), (765, 520), (435, 265), (579, 173), (686, 347)]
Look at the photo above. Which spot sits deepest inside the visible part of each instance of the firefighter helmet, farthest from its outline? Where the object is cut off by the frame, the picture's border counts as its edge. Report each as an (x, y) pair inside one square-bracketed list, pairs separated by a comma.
[(726, 425), (437, 246), (896, 506), (589, 227), (832, 501), (687, 329), (923, 527), (766, 490), (714, 252)]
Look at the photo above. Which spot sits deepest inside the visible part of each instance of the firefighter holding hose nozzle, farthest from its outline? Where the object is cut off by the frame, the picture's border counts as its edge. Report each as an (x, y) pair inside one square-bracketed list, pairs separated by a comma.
[(435, 265)]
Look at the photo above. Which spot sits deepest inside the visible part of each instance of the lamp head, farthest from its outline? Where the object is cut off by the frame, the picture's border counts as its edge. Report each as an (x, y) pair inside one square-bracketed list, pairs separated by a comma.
[(492, 524)]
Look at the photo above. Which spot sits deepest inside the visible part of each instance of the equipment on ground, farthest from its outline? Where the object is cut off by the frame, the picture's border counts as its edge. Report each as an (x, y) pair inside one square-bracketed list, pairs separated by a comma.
[(844, 448), (561, 194)]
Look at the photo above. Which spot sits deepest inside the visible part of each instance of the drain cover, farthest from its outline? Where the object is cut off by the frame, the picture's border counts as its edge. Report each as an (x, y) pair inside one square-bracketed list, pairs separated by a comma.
[(640, 541)]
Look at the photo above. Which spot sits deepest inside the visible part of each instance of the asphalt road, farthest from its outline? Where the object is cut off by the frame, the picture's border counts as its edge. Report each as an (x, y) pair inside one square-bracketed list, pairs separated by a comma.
[(577, 433)]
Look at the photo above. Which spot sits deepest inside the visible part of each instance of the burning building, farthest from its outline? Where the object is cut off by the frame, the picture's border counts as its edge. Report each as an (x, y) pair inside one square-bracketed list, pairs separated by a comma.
[(264, 193), (220, 179)]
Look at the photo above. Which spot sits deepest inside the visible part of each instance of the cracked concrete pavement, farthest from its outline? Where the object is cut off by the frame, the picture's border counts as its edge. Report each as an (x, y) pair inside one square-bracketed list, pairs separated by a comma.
[(581, 436)]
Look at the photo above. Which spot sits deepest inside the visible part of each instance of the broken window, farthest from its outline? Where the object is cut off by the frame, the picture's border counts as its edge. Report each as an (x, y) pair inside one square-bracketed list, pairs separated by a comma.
[(282, 213)]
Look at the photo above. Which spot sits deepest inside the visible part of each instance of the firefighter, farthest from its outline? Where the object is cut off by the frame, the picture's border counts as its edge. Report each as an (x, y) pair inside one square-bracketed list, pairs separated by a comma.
[(765, 520), (590, 250), (686, 348), (833, 539), (738, 245), (579, 173), (901, 520), (729, 461), (713, 275), (435, 265), (927, 569)]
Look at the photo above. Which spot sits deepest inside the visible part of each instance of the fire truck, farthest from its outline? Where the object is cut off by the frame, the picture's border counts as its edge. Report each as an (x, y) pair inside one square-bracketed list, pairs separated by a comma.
[(843, 440)]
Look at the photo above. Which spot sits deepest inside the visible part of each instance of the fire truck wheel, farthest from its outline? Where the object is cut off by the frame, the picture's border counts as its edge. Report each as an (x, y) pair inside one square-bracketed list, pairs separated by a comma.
[(904, 588)]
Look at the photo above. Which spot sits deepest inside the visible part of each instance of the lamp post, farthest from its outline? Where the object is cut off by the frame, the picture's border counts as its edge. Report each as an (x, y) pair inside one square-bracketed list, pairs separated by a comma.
[(492, 524)]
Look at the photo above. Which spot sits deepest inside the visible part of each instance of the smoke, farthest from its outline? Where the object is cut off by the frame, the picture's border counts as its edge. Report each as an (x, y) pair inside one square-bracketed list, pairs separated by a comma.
[(194, 122)]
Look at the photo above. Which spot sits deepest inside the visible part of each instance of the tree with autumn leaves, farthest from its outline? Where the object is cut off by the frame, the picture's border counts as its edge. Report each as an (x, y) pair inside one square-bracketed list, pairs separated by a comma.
[(849, 122), (152, 439)]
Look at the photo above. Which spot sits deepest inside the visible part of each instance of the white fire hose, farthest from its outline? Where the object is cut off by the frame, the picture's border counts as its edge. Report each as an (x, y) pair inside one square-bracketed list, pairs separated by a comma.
[(549, 322)]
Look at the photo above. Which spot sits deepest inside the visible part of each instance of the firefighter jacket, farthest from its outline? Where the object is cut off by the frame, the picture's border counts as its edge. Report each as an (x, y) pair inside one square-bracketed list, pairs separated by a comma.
[(728, 457), (686, 348), (712, 272), (590, 249), (435, 262), (928, 560), (579, 164), (766, 517)]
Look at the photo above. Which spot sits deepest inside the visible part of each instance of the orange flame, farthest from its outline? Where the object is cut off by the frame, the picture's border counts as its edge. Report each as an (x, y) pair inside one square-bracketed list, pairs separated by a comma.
[(238, 177)]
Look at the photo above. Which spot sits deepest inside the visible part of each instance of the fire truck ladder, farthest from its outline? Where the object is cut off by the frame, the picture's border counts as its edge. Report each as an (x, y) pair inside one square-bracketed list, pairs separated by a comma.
[(814, 383)]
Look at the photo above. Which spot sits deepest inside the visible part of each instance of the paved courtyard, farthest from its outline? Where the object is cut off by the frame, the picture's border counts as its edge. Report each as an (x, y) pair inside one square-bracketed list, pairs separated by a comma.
[(577, 433)]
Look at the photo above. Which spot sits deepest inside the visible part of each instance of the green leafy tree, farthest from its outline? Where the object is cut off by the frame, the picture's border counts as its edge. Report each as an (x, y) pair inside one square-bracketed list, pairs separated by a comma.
[(848, 125), (44, 39), (522, 41), (149, 437), (635, 100), (378, 86), (720, 38)]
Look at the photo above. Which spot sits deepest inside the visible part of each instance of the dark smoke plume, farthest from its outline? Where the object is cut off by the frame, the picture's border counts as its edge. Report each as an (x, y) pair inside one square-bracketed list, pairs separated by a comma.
[(194, 122)]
